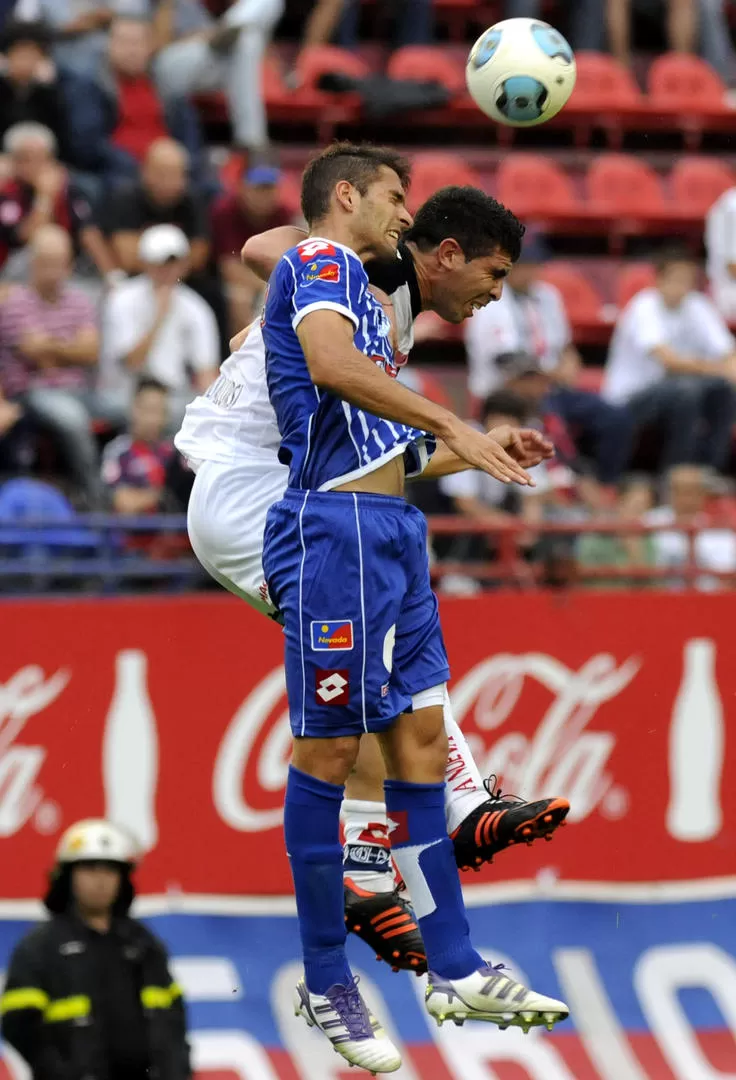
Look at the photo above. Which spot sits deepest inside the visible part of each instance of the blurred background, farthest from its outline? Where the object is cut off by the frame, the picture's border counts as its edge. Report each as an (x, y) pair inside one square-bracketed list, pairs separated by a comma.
[(589, 620)]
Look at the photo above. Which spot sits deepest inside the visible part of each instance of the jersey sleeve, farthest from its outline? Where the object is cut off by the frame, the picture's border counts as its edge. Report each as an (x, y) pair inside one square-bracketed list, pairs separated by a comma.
[(325, 278)]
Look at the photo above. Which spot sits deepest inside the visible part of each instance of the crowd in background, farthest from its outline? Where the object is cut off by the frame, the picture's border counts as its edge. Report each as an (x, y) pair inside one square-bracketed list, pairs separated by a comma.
[(121, 282)]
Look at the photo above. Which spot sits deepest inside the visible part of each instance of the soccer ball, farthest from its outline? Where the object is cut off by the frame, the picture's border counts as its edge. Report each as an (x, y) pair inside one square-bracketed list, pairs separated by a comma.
[(521, 72)]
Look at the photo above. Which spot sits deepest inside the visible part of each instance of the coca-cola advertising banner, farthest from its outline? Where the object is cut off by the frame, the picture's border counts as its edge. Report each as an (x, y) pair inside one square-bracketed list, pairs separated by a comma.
[(169, 715)]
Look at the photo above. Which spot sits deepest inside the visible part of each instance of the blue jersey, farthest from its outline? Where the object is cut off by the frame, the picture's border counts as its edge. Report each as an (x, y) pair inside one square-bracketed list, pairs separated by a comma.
[(325, 441)]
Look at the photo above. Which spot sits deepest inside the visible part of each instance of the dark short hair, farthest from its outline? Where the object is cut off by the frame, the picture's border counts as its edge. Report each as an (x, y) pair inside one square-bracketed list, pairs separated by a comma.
[(360, 165), (479, 223), (671, 256), (147, 382), (506, 403), (26, 31)]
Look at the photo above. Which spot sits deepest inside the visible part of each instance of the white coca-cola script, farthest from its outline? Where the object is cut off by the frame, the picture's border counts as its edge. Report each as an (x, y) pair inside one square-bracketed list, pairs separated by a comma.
[(26, 693), (559, 755)]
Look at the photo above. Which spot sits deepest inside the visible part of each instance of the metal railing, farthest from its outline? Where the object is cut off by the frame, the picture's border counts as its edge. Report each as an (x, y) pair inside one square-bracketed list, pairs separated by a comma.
[(110, 553)]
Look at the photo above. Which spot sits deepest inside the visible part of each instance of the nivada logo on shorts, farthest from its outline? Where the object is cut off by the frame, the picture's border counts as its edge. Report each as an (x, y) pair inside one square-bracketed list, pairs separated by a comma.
[(332, 636)]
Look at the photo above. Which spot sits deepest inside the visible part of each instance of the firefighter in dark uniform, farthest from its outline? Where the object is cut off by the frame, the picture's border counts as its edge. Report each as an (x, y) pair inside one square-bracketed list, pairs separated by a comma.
[(89, 995)]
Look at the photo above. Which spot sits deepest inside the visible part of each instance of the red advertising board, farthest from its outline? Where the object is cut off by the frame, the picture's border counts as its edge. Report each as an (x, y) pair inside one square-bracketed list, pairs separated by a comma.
[(170, 716)]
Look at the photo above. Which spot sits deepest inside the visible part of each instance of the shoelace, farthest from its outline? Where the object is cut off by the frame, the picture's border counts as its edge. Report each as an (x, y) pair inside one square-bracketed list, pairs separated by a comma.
[(495, 792), (349, 1004)]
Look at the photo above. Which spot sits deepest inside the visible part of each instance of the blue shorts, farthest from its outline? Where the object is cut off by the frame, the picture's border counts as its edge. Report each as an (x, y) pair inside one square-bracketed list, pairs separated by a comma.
[(350, 573)]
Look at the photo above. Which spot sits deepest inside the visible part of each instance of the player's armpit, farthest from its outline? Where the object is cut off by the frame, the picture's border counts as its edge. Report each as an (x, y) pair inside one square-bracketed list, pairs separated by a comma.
[(261, 253)]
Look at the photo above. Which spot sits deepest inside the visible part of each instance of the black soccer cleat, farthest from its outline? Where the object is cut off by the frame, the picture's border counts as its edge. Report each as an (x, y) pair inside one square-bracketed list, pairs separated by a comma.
[(502, 821), (387, 924)]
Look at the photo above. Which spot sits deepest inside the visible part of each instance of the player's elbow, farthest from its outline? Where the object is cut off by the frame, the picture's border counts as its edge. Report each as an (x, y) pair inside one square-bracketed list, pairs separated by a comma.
[(255, 255)]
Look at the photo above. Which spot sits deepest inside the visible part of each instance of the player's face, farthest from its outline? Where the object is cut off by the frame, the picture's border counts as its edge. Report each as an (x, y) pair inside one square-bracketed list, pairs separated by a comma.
[(468, 285), (383, 215)]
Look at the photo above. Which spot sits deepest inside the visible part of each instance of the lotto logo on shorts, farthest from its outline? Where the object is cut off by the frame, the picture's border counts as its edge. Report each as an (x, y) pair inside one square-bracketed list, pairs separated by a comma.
[(335, 636), (332, 687)]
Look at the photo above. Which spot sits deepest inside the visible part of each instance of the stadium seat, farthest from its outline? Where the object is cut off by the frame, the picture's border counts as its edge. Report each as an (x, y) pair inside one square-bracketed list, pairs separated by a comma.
[(318, 60), (620, 186), (631, 280), (696, 183), (423, 63), (682, 83), (603, 84), (431, 171), (533, 186), (582, 302)]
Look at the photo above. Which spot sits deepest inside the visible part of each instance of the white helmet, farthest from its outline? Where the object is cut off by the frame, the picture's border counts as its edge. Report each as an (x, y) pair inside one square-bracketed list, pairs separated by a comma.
[(95, 839)]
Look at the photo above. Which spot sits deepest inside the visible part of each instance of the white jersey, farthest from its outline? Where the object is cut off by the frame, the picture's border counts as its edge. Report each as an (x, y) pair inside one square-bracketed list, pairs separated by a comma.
[(234, 420)]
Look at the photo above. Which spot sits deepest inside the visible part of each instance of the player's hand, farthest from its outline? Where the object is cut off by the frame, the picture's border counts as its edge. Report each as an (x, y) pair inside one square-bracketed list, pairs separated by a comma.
[(526, 446), (485, 453)]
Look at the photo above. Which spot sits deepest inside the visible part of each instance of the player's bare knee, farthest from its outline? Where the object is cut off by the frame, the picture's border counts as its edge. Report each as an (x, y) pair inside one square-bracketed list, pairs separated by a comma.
[(330, 760), (416, 748)]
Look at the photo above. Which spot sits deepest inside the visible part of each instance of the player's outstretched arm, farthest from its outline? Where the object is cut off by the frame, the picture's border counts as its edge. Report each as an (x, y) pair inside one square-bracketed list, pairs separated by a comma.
[(326, 338), (261, 253), (526, 446)]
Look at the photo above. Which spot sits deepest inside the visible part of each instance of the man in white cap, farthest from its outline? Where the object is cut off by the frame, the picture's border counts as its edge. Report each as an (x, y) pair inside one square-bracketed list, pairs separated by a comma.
[(89, 992), (157, 326)]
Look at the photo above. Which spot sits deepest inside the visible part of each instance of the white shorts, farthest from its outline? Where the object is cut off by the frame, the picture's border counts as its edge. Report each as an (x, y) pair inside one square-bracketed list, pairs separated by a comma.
[(226, 520)]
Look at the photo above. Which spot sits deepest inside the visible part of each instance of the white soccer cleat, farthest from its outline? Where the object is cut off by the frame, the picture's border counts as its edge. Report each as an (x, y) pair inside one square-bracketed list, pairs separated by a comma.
[(489, 994), (343, 1016)]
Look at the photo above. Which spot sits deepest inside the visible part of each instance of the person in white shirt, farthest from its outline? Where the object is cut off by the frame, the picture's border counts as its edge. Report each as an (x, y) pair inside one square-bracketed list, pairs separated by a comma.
[(155, 325), (720, 245), (672, 363), (713, 548), (530, 317)]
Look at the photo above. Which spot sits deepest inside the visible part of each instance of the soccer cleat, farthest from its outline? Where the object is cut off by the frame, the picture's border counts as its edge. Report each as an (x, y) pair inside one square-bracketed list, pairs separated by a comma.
[(504, 820), (488, 994), (387, 924), (342, 1015)]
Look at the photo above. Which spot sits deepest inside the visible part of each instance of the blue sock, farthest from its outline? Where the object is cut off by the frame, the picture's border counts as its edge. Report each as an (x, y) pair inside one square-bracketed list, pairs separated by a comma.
[(312, 832), (425, 857)]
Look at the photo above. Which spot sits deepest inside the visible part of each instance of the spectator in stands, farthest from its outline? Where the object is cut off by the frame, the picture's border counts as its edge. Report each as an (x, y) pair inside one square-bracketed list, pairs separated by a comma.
[(672, 363), (80, 29), (135, 465), (200, 54), (720, 243), (713, 548), (530, 317), (255, 207), (165, 195), (39, 192), (30, 90), (482, 497), (117, 118), (594, 20), (621, 549), (48, 351), (155, 325)]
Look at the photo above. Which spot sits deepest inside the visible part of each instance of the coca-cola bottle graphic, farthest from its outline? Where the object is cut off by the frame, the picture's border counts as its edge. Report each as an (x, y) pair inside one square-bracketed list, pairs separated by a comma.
[(130, 751), (696, 748)]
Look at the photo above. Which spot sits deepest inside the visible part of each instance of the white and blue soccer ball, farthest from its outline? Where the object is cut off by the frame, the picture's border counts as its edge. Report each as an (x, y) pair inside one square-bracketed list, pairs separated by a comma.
[(521, 72)]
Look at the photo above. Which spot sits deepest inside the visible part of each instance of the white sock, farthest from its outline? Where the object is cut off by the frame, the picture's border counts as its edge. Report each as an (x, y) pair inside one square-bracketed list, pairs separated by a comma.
[(464, 791), (367, 849)]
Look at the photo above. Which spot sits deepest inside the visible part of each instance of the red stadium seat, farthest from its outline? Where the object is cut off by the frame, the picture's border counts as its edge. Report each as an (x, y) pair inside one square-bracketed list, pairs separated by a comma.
[(582, 302), (534, 187), (318, 60), (620, 186), (603, 84), (682, 83), (632, 280), (422, 63), (697, 182), (432, 171)]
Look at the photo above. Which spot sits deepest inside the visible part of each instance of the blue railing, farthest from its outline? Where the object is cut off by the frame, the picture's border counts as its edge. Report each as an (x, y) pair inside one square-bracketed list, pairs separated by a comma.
[(108, 553)]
